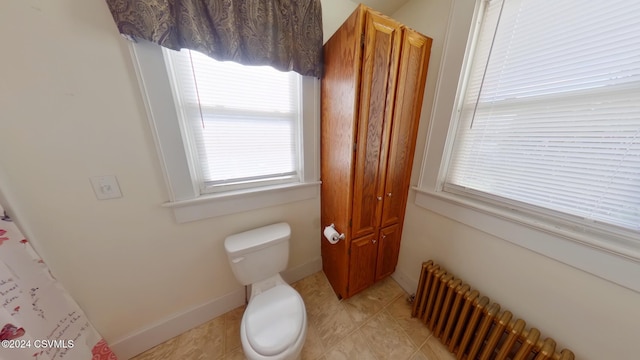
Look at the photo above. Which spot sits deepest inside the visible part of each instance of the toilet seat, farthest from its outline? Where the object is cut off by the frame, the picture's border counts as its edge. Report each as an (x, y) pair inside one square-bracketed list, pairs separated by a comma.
[(274, 319)]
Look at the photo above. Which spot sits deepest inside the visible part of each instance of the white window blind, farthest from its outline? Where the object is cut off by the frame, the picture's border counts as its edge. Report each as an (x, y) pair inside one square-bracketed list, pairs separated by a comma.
[(550, 114), (241, 123)]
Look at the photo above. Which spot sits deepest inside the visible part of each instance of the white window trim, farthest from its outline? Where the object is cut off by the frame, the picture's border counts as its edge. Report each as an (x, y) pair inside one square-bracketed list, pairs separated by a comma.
[(184, 195), (618, 262)]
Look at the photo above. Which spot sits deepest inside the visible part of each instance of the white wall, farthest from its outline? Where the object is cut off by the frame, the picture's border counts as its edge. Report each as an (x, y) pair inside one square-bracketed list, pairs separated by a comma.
[(593, 317), (334, 13), (70, 108)]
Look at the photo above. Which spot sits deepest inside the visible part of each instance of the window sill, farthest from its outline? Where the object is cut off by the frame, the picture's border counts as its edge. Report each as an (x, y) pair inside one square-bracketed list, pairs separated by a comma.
[(212, 205), (618, 262)]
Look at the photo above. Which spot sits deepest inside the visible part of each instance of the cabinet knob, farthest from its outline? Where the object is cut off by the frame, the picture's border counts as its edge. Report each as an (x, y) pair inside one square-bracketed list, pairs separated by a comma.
[(389, 194), (374, 241), (379, 198), (384, 237)]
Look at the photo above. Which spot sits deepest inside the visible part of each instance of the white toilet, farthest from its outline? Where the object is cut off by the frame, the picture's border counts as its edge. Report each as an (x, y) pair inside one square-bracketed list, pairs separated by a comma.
[(274, 324)]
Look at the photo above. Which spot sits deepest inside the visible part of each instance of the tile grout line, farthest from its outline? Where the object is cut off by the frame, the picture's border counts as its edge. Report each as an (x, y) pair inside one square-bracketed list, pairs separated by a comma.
[(418, 347), (343, 306), (383, 308), (385, 294), (373, 316), (425, 340)]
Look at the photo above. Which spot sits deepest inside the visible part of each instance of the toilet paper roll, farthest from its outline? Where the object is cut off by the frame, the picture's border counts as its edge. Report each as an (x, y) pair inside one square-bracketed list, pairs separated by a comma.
[(331, 234)]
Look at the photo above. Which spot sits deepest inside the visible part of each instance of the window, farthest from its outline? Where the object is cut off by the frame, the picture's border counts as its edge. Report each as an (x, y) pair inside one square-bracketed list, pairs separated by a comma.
[(230, 138), (534, 131), (549, 117), (242, 121)]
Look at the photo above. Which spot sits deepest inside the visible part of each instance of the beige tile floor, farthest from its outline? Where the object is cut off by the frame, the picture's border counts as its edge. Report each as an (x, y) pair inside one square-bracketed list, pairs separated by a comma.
[(374, 324)]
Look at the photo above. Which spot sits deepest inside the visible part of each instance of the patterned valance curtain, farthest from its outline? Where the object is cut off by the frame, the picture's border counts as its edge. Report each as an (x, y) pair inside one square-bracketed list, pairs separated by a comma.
[(286, 34)]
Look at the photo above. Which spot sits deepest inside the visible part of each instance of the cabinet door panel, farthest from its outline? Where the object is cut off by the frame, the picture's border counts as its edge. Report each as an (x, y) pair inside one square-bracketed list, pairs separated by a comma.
[(362, 263), (388, 250), (381, 52), (406, 116)]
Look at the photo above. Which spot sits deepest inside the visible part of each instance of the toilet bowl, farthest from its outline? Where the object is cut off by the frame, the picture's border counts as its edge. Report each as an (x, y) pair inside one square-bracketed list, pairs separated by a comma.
[(274, 324)]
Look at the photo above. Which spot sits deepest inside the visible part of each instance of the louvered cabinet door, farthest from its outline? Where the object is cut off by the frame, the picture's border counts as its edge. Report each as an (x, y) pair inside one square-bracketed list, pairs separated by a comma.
[(381, 53), (406, 116)]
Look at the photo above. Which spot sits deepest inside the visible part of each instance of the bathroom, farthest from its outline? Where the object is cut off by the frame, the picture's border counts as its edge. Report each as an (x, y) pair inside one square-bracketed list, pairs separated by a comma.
[(71, 109)]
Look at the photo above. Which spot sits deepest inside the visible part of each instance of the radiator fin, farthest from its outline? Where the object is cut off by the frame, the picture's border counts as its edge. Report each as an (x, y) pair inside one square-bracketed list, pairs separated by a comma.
[(471, 326)]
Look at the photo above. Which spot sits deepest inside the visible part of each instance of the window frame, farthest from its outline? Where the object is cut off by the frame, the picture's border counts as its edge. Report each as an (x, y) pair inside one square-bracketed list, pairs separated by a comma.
[(179, 169), (614, 257)]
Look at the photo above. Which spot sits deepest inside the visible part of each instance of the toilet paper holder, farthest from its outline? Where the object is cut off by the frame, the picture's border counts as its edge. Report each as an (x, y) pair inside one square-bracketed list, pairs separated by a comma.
[(332, 235), (341, 234)]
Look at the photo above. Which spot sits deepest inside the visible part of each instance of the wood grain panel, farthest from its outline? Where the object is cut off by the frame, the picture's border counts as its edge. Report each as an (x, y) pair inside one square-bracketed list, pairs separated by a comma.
[(381, 49), (362, 263), (414, 61), (339, 96), (388, 250)]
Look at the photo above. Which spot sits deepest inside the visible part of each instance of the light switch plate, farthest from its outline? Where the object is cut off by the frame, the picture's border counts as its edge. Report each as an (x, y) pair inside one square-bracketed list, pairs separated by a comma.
[(106, 187)]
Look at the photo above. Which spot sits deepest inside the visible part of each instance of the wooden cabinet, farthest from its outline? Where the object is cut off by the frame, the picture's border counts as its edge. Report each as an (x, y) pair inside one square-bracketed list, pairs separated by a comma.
[(372, 90)]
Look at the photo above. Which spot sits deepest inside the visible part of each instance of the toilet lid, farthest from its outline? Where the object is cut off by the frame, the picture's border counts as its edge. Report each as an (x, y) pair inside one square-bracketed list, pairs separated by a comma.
[(274, 320)]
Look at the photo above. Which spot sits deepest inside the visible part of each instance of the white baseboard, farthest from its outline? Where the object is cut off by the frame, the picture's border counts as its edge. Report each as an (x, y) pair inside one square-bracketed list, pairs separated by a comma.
[(406, 282), (174, 325), (302, 271)]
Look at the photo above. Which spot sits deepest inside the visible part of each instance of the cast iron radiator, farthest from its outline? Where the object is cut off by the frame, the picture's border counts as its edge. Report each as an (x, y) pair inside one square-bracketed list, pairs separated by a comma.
[(472, 327)]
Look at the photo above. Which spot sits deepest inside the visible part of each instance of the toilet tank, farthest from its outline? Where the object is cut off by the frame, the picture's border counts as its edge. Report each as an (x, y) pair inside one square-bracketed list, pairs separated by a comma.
[(260, 253)]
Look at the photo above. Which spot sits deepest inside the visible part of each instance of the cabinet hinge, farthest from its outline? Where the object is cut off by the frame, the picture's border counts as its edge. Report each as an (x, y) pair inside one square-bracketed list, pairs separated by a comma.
[(362, 40), (349, 222), (355, 147)]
